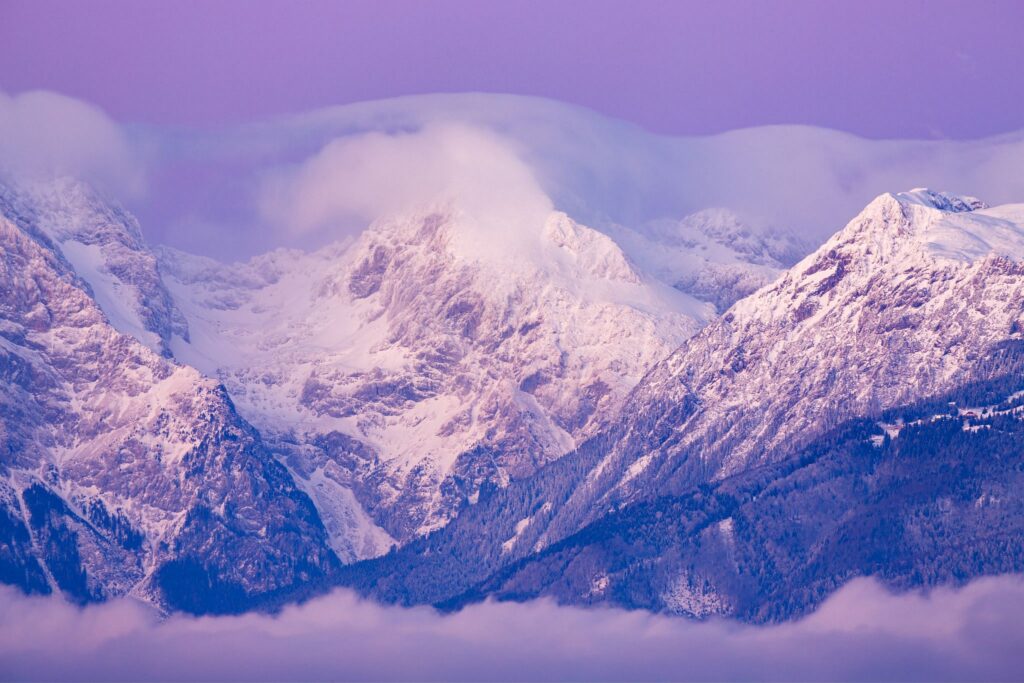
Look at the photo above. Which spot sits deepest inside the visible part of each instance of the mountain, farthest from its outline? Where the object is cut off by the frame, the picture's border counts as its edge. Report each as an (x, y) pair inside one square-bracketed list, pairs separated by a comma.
[(121, 471), (380, 385), (910, 300), (915, 303), (104, 245), (435, 412), (714, 255), (934, 504), (403, 371)]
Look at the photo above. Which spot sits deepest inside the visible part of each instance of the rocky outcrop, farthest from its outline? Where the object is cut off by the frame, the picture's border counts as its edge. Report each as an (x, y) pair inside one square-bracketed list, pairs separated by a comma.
[(797, 391), (451, 369), (124, 472)]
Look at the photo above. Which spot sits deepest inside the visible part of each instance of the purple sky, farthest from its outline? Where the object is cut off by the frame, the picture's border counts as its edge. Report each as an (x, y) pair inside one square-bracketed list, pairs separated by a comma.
[(876, 68)]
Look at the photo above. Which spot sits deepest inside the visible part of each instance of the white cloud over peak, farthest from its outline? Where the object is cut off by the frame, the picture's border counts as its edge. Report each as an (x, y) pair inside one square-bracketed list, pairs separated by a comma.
[(303, 180), (45, 134), (357, 179), (333, 169)]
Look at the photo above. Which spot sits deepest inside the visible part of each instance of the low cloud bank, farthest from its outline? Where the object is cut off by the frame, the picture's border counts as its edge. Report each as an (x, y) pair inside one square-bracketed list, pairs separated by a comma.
[(308, 179), (862, 633), (332, 168)]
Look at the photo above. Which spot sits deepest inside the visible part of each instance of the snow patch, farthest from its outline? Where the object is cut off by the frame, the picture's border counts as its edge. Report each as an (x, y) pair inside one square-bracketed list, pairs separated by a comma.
[(89, 263), (690, 597), (521, 526)]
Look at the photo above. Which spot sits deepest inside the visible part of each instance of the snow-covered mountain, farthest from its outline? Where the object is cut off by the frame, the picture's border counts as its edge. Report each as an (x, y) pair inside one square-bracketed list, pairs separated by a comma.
[(122, 471), (917, 302), (546, 411), (714, 255), (913, 298), (910, 300), (411, 367), (105, 247), (393, 376)]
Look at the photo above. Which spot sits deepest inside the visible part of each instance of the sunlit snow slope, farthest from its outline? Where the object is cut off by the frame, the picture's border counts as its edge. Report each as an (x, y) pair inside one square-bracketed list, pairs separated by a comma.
[(424, 360)]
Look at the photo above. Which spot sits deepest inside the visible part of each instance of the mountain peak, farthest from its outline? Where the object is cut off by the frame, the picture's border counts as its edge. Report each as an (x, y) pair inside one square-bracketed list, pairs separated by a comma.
[(943, 201), (594, 254), (884, 313), (923, 225), (102, 242)]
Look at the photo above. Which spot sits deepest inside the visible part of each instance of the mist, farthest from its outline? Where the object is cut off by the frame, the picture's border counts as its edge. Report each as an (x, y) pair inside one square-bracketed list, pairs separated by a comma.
[(863, 632), (315, 177), (354, 180), (600, 171), (45, 134)]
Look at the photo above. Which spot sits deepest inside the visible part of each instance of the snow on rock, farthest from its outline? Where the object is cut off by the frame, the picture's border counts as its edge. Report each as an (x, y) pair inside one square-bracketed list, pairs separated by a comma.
[(521, 525), (942, 201), (919, 294), (691, 598), (442, 369), (104, 245), (714, 255), (594, 254), (122, 471)]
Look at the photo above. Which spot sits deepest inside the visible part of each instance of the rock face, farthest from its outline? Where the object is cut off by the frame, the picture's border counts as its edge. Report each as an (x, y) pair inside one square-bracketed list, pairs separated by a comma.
[(917, 302), (103, 244), (416, 365), (120, 470), (910, 300)]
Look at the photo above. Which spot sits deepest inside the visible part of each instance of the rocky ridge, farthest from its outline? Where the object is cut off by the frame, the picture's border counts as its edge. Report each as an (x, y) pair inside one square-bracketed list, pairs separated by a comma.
[(122, 471), (917, 299), (410, 369)]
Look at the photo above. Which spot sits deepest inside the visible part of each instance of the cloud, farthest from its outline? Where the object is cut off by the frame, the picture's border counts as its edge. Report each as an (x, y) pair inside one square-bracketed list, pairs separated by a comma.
[(44, 133), (862, 633), (355, 180), (331, 171), (303, 180)]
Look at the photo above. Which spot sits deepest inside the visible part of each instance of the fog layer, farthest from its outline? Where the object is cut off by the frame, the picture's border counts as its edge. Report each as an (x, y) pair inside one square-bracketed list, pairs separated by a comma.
[(862, 633)]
